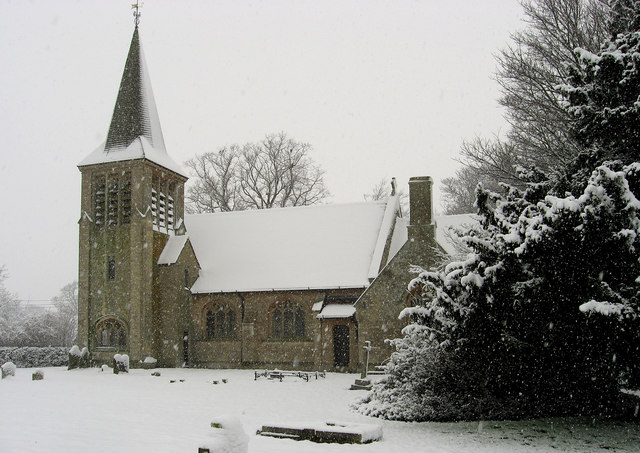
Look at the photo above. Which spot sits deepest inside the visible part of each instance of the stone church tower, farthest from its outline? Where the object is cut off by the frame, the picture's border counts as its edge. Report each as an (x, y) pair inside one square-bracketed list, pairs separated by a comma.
[(132, 203)]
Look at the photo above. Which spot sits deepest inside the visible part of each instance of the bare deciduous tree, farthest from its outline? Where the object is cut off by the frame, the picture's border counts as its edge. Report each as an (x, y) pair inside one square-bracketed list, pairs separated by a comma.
[(494, 160), (458, 192), (66, 315), (275, 172), (483, 161), (531, 70), (10, 313), (214, 185), (383, 188), (530, 73), (30, 325)]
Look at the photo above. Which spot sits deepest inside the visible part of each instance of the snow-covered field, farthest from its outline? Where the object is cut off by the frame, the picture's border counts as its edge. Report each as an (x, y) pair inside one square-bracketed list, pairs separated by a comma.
[(93, 411)]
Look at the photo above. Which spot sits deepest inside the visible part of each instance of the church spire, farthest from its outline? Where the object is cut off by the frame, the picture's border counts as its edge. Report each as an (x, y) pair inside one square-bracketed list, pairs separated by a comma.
[(134, 131), (135, 113)]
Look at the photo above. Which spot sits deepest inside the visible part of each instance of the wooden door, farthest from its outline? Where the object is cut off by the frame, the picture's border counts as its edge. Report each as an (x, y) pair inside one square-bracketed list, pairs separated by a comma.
[(341, 346)]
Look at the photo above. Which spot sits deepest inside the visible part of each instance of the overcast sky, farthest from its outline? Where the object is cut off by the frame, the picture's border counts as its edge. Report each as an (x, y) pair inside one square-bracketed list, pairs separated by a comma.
[(378, 88)]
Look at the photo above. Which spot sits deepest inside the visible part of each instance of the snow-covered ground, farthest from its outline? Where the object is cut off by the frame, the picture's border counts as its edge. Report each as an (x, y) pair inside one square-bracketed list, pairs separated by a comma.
[(93, 411)]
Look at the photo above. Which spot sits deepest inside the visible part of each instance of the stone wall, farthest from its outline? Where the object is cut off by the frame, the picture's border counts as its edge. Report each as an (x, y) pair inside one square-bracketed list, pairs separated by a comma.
[(171, 302), (126, 295), (253, 345)]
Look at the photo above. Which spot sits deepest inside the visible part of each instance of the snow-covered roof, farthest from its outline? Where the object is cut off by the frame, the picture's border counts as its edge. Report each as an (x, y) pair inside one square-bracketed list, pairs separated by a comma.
[(445, 223), (317, 247), (400, 236), (333, 311), (139, 148), (134, 132), (172, 249), (388, 222)]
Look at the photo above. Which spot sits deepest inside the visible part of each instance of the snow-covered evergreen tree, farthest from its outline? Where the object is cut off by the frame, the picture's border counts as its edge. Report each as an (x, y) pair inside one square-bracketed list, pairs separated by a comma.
[(542, 316), (602, 95)]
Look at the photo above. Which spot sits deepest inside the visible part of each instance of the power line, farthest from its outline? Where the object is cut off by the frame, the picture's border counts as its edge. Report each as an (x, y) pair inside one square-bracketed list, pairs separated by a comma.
[(34, 300)]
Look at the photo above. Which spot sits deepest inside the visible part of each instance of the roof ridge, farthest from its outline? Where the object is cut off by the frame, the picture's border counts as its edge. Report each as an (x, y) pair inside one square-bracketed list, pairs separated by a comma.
[(280, 208)]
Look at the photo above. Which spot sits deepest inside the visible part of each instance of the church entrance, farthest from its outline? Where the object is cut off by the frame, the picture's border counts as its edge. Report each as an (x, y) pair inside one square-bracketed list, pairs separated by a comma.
[(340, 346)]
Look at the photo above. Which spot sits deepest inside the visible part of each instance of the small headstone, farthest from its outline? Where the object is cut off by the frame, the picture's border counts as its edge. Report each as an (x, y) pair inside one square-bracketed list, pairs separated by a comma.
[(149, 363), (155, 373), (8, 369), (78, 358), (120, 363)]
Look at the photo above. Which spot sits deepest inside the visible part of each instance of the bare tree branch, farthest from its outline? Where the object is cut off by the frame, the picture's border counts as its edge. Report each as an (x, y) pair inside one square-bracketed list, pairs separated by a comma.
[(530, 72), (275, 172)]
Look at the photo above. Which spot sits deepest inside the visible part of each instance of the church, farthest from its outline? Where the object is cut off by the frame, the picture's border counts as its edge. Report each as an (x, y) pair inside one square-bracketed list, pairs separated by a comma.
[(290, 288)]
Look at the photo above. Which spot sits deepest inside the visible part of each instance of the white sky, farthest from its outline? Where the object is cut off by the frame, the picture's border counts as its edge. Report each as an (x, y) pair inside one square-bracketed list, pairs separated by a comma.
[(379, 88)]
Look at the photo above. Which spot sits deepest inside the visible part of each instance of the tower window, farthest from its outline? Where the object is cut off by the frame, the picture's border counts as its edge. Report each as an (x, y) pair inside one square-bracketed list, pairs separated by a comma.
[(170, 212), (125, 200), (154, 207), (111, 269), (99, 201), (112, 203)]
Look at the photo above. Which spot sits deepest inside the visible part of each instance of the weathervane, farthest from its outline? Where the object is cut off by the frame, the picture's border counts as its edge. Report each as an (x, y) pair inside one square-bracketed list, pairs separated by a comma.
[(136, 14)]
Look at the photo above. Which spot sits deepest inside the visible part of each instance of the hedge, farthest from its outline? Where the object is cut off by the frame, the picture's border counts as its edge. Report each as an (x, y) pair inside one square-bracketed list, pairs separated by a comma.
[(29, 357)]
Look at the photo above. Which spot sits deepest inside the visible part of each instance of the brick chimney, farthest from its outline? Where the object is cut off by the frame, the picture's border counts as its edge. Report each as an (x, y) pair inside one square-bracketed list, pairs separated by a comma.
[(421, 225)]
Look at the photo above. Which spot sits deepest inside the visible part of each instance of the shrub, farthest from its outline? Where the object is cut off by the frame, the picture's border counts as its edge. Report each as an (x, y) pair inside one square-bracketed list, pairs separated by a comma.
[(31, 357)]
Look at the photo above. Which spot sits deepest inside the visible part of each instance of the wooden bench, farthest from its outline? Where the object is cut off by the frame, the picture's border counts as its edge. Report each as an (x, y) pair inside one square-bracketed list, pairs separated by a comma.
[(279, 374)]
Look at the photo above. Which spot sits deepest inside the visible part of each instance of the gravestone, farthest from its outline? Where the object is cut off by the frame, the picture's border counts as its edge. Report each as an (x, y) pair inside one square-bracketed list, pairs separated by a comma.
[(8, 369)]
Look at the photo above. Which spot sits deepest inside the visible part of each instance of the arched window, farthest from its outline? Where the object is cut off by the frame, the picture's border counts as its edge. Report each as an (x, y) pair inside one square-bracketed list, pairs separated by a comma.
[(299, 323), (231, 324), (277, 323), (221, 324), (111, 333), (288, 322), (211, 324), (220, 332)]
